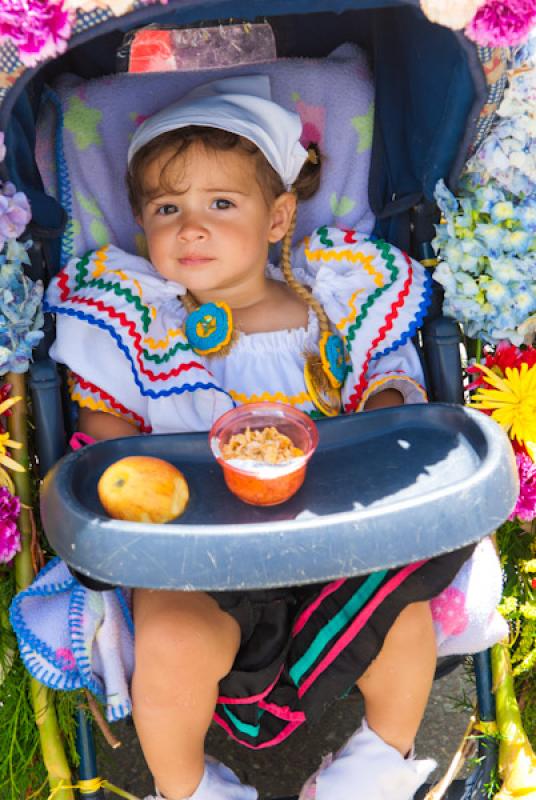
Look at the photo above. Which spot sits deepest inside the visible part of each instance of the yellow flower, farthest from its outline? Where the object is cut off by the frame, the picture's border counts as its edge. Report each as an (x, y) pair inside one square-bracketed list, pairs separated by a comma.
[(5, 460), (5, 441), (512, 401), (5, 480), (8, 403)]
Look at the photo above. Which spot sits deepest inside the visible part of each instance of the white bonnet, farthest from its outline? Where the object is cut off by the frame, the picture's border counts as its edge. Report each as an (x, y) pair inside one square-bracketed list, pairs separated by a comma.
[(241, 105)]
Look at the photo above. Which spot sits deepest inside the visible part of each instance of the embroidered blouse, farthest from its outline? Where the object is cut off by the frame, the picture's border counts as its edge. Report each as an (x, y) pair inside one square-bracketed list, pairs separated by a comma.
[(120, 331)]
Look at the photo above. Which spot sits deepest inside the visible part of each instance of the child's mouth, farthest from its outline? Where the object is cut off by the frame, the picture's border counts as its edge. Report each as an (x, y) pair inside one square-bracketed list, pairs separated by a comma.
[(194, 261)]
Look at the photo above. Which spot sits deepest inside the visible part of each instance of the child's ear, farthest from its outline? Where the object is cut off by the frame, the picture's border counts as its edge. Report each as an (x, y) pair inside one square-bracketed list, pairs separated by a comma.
[(283, 210)]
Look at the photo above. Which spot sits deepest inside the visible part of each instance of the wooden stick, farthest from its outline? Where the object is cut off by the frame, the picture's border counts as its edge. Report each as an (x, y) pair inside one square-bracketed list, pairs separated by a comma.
[(466, 749), (101, 722), (46, 720)]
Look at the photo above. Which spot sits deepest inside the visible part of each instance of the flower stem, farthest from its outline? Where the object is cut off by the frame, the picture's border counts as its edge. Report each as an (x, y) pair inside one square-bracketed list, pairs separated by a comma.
[(42, 699), (478, 351), (517, 761)]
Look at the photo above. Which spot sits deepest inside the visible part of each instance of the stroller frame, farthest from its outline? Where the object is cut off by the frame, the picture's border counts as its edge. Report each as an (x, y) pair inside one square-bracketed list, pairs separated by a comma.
[(411, 227)]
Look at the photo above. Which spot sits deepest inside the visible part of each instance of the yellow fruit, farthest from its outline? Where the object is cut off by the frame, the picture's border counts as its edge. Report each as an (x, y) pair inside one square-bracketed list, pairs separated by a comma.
[(143, 489)]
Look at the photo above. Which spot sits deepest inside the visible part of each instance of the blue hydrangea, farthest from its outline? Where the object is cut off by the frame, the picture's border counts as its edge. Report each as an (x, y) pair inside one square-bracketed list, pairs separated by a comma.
[(488, 267), (21, 316)]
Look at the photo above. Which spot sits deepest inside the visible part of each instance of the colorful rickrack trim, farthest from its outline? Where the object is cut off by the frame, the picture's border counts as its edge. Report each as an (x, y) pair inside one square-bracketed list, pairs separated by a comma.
[(144, 390), (302, 398), (353, 310), (129, 327), (376, 384), (390, 318), (416, 323), (99, 400), (347, 255), (389, 259), (333, 358), (209, 328)]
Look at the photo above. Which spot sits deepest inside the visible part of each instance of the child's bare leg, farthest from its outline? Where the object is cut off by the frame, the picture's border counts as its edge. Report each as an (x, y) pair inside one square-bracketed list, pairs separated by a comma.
[(185, 645), (397, 684)]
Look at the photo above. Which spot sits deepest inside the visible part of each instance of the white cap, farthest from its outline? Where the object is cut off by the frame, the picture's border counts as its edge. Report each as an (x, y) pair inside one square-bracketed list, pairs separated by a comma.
[(241, 105)]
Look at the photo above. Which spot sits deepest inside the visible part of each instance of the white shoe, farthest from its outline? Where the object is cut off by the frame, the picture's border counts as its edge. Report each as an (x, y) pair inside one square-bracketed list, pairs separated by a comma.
[(367, 768), (218, 783)]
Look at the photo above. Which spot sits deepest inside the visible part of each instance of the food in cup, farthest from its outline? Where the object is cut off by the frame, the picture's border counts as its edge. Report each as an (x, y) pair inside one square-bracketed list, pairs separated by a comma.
[(263, 449), (267, 446)]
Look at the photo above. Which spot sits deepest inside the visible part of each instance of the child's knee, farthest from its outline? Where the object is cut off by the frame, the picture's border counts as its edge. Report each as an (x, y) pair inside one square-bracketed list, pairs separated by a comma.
[(414, 623), (180, 633)]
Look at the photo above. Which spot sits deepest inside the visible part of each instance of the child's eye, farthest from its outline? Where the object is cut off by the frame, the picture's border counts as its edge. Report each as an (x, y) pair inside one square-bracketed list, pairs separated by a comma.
[(166, 209), (221, 204)]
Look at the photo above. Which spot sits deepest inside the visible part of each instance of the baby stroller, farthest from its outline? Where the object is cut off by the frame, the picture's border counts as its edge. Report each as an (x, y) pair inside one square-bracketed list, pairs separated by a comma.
[(426, 120)]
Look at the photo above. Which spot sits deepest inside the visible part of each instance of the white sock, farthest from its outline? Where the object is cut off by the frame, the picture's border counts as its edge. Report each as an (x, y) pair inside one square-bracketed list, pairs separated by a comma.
[(220, 783), (367, 768)]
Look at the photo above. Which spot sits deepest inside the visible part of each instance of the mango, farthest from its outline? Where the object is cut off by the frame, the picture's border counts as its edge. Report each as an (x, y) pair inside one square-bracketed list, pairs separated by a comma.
[(143, 489)]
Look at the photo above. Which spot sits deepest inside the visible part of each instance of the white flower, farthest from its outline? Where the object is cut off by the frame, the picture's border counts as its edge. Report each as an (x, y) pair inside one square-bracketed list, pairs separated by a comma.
[(455, 14)]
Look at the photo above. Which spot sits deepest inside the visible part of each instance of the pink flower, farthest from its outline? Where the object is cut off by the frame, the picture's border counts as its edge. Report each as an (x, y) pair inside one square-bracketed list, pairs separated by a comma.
[(526, 502), (9, 533), (66, 659), (39, 28), (448, 611), (15, 213), (502, 23)]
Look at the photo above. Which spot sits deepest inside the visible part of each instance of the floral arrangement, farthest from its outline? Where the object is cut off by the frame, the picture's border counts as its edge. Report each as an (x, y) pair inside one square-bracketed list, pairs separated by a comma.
[(487, 235), (489, 23), (9, 533), (23, 771), (21, 317), (502, 23), (486, 245), (40, 29)]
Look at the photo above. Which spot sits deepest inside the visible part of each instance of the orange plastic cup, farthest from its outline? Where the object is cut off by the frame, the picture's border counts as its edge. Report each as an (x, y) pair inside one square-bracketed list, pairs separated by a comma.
[(257, 483)]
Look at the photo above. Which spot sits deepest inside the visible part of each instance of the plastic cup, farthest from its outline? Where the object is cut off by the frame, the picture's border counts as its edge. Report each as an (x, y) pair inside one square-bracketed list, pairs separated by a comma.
[(257, 483)]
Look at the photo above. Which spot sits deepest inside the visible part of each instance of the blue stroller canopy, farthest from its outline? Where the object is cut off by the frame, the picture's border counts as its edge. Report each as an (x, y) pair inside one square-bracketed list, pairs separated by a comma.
[(429, 84)]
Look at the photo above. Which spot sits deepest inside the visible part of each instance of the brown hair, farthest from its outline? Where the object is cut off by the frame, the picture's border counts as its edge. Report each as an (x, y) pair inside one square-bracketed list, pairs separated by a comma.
[(305, 186), (179, 141)]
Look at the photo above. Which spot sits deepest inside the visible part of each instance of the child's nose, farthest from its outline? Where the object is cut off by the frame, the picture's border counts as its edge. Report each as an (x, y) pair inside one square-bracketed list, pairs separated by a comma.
[(191, 229)]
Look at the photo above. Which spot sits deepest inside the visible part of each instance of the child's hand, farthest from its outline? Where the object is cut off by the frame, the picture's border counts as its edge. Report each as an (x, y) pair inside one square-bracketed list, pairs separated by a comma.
[(389, 397)]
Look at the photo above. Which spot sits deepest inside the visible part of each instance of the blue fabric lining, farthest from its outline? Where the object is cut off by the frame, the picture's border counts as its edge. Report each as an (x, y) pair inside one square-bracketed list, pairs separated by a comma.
[(65, 196)]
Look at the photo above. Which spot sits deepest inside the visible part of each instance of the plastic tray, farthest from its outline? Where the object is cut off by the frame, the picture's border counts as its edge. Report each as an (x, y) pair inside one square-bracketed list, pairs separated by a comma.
[(384, 488)]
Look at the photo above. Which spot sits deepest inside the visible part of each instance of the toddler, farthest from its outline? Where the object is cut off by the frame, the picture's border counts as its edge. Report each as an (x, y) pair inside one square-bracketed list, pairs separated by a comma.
[(171, 342)]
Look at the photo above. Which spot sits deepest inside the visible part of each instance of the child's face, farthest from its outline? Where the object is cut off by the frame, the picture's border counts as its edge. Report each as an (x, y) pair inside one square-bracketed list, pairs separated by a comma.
[(211, 232)]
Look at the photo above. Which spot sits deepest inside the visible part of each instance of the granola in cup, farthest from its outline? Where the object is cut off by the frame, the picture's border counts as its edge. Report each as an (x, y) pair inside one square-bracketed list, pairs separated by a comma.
[(263, 449)]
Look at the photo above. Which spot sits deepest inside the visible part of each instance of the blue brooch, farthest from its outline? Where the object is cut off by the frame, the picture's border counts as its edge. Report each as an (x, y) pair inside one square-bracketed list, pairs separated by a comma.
[(209, 328), (333, 358)]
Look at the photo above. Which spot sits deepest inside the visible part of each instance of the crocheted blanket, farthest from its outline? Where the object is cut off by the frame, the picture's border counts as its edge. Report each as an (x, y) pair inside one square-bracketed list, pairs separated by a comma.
[(85, 128), (71, 637)]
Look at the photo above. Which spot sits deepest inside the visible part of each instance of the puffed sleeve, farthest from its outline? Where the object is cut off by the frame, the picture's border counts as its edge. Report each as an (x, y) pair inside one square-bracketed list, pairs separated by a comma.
[(400, 369), (118, 330), (376, 298)]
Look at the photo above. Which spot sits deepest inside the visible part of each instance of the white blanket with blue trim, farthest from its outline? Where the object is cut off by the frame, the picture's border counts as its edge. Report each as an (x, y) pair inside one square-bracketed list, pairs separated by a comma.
[(94, 650)]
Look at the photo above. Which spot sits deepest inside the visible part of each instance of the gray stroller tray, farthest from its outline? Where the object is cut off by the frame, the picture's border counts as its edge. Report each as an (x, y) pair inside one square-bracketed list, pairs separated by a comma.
[(384, 488)]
